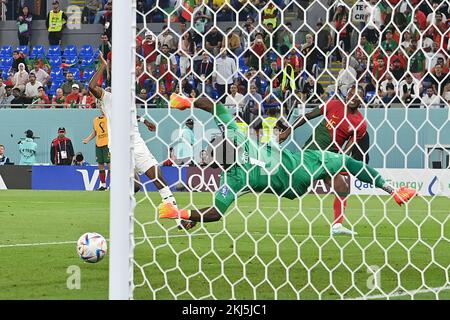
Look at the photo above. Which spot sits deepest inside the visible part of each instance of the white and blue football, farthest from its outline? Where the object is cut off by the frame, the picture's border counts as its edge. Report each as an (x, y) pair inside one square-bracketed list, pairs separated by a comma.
[(92, 247)]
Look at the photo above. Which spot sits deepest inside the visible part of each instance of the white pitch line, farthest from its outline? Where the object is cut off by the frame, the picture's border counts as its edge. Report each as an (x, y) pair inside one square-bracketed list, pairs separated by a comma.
[(305, 235), (403, 294)]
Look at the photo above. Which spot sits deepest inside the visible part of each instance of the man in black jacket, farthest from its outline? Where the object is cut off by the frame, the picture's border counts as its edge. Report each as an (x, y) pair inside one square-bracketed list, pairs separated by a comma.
[(61, 149)]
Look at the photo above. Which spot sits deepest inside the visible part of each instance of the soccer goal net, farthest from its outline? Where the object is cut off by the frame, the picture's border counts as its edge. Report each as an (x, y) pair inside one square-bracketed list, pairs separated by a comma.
[(310, 213)]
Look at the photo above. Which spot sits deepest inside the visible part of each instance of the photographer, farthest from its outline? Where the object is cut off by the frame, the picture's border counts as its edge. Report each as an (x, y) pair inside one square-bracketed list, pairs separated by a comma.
[(78, 160), (27, 149)]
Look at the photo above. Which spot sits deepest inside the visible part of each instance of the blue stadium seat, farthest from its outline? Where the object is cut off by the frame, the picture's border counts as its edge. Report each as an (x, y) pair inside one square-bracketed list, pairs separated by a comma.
[(4, 73), (6, 51), (87, 74), (54, 51), (37, 52), (86, 51), (71, 60), (70, 51), (87, 62), (24, 49), (76, 73), (57, 75), (54, 87), (55, 62), (96, 54), (6, 62)]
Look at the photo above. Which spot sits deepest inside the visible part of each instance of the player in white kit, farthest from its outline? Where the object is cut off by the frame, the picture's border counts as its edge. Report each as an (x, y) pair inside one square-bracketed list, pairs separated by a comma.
[(145, 162)]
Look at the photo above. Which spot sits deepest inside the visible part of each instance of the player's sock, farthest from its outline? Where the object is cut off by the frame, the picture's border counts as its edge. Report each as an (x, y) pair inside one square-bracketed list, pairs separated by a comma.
[(102, 175), (167, 196), (367, 174), (339, 205)]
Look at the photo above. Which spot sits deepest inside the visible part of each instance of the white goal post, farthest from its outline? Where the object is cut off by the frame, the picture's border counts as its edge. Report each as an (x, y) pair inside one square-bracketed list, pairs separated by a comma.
[(123, 112)]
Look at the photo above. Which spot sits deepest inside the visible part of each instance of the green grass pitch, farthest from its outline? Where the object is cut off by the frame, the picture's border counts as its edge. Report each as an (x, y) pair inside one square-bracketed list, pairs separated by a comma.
[(256, 252)]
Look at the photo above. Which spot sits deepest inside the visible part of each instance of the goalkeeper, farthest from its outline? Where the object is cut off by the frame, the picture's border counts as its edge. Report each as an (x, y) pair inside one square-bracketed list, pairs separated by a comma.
[(267, 169)]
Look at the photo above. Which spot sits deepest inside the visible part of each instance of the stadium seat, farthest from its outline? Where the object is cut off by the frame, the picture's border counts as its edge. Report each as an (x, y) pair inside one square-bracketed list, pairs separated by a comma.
[(54, 51), (70, 51), (369, 96), (71, 60), (37, 52), (76, 73), (87, 62), (6, 62), (96, 54), (55, 62), (24, 49), (6, 51), (87, 74), (4, 73), (86, 51), (57, 74)]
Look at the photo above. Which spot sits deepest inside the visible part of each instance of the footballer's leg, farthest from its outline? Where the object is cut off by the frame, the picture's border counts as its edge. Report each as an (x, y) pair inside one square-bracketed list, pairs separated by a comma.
[(102, 175), (341, 188)]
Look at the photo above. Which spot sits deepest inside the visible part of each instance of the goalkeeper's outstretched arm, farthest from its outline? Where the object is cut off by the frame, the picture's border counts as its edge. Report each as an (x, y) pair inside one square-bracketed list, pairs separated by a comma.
[(298, 123)]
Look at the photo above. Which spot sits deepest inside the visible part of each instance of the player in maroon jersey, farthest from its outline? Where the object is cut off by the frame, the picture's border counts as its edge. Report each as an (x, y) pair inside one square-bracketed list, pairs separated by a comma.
[(343, 130)]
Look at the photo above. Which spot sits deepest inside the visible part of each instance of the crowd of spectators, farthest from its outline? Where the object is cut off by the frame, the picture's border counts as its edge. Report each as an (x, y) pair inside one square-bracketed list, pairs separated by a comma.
[(398, 54)]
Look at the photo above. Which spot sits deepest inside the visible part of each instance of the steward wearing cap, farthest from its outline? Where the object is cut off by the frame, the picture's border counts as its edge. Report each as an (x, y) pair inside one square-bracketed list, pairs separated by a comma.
[(27, 149), (56, 20), (61, 149)]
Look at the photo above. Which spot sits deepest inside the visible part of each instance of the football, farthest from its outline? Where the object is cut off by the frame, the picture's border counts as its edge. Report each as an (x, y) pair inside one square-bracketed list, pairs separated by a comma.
[(91, 247)]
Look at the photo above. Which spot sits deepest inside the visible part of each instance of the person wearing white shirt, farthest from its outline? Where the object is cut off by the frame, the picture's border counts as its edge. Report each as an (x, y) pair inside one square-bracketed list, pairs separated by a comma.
[(31, 88), (430, 100), (346, 78), (225, 72), (41, 76), (234, 99), (383, 84), (374, 20), (435, 17), (409, 89), (166, 38), (2, 89)]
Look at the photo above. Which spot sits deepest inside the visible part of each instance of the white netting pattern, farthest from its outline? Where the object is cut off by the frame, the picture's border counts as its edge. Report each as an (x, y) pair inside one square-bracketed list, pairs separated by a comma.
[(293, 56)]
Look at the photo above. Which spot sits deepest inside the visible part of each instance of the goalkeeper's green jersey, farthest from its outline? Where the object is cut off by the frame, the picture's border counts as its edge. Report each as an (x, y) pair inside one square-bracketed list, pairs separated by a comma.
[(267, 168)]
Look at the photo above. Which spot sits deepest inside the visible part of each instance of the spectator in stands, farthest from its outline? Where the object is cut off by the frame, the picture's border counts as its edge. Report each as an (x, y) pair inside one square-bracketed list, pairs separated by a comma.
[(68, 84), (214, 41), (31, 88), (204, 159), (324, 38), (439, 79), (18, 58), (374, 20), (19, 100), (379, 68), (389, 42), (3, 159), (2, 88), (106, 19), (312, 92), (186, 52), (24, 23), (74, 98), (27, 149), (446, 93), (6, 99), (164, 62), (149, 52), (226, 71), (397, 70), (61, 149), (56, 21), (202, 16), (270, 15), (232, 42), (20, 78), (59, 100), (203, 70), (41, 76), (430, 99), (105, 46), (41, 99), (90, 10), (309, 51), (234, 100), (416, 60), (389, 96), (166, 38), (252, 102), (409, 90), (171, 160), (406, 36)]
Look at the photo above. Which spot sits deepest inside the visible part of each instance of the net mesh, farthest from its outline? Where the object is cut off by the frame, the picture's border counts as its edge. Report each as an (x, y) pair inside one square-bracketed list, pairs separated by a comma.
[(292, 56)]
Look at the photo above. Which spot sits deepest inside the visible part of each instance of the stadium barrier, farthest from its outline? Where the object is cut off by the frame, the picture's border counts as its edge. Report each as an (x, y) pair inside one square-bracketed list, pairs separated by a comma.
[(15, 177)]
